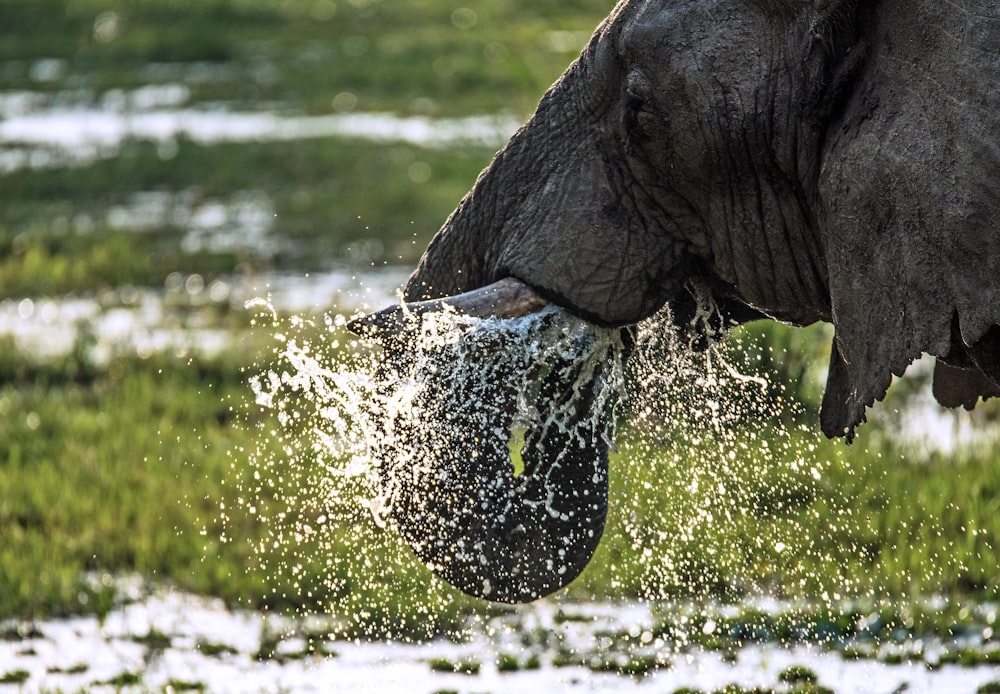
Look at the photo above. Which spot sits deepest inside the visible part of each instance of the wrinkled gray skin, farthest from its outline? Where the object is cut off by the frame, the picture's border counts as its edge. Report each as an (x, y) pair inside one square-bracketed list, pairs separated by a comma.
[(485, 531), (804, 161)]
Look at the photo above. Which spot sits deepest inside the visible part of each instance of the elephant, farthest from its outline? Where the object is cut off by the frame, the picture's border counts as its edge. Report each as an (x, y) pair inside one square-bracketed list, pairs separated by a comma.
[(793, 160)]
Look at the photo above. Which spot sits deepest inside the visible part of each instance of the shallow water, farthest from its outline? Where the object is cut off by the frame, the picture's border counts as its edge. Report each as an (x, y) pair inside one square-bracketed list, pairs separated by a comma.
[(42, 131), (163, 637), (189, 316)]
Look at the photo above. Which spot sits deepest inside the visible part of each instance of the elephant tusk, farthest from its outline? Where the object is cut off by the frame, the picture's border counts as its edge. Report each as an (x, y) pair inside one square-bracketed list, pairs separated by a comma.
[(506, 298)]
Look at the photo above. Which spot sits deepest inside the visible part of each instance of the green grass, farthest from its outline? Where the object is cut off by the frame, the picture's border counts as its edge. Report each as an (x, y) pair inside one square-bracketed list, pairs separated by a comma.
[(114, 472), (46, 264), (15, 677), (331, 198), (391, 56)]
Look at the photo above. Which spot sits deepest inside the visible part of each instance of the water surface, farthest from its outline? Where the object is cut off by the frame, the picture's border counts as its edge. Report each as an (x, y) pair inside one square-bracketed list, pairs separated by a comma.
[(43, 131), (162, 638)]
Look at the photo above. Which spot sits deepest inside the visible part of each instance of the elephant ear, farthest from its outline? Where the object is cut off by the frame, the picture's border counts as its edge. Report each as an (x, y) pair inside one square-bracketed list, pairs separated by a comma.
[(909, 203)]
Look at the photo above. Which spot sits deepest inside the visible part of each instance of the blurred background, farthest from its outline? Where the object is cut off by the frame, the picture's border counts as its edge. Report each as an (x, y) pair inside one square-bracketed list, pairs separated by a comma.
[(164, 161)]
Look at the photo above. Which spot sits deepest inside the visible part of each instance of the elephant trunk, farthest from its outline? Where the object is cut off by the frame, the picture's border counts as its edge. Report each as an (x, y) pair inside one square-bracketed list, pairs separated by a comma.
[(452, 414)]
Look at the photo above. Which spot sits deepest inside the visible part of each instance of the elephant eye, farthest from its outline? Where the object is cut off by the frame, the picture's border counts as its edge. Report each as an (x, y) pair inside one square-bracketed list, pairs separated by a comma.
[(637, 115), (633, 102), (638, 120)]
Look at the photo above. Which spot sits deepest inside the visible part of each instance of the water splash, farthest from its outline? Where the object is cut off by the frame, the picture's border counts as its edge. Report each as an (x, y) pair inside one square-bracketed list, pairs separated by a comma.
[(360, 439), (731, 467), (713, 479), (462, 401), (358, 404)]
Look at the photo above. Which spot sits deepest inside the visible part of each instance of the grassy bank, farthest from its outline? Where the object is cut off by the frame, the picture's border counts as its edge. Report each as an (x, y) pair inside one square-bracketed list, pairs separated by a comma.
[(836, 522)]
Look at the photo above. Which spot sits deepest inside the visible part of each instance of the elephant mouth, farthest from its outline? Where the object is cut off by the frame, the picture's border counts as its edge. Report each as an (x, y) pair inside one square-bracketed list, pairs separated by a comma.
[(492, 449)]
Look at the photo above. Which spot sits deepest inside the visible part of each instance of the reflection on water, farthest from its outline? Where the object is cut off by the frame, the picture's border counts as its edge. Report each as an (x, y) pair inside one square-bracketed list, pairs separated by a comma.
[(241, 223), (189, 316), (42, 131)]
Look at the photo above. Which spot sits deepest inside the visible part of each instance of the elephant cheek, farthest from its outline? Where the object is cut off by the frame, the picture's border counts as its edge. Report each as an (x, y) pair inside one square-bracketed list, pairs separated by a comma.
[(587, 246)]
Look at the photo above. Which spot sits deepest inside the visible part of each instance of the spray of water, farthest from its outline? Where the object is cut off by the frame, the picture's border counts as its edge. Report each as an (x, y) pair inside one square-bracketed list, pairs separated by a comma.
[(714, 464), (707, 472), (361, 443), (473, 386)]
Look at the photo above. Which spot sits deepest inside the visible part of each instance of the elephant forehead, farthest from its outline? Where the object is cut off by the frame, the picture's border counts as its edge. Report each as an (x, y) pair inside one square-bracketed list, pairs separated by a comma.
[(652, 22), (692, 39)]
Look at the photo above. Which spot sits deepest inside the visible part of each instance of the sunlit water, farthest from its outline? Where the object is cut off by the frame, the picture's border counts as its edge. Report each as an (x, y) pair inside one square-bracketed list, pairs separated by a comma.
[(315, 487), (42, 131), (160, 639)]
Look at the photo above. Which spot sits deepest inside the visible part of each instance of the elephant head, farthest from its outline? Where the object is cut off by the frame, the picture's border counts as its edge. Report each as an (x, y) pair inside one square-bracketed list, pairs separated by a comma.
[(833, 160)]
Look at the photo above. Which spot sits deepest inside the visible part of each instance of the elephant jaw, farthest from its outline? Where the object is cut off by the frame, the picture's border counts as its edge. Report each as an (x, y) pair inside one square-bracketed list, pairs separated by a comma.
[(449, 480)]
